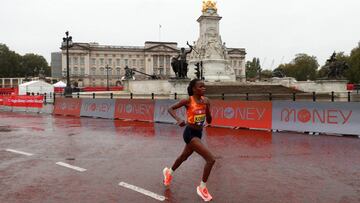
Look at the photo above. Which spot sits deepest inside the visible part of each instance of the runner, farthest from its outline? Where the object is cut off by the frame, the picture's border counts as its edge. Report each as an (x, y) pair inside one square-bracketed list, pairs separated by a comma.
[(198, 110)]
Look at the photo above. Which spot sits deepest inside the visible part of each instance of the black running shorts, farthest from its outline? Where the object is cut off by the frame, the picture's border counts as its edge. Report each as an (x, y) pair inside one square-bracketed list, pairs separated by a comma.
[(190, 133)]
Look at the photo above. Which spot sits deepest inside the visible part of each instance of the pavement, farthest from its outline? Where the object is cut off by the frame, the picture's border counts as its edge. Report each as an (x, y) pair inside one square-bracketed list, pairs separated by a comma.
[(122, 161)]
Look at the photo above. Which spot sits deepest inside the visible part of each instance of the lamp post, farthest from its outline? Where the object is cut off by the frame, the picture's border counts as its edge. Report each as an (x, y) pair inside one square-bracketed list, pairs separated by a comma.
[(107, 77), (67, 43)]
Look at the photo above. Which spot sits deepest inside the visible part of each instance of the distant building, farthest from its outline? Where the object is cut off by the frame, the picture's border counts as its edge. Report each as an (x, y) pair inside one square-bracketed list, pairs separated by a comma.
[(56, 65), (88, 61)]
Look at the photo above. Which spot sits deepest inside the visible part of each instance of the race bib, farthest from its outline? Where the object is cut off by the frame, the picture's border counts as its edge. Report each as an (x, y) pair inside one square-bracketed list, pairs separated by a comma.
[(199, 119)]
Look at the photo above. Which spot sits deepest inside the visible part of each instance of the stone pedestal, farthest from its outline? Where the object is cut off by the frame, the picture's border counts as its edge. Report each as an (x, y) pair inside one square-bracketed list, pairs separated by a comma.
[(179, 86), (210, 49)]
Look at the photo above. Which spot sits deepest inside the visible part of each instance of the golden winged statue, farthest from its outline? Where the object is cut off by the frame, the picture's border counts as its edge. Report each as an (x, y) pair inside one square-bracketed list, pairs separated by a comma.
[(209, 5)]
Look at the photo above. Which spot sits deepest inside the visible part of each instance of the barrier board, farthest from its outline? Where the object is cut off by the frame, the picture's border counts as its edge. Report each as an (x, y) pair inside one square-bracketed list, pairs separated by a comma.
[(254, 114), (161, 111), (100, 108), (67, 106), (25, 101), (135, 109), (326, 117)]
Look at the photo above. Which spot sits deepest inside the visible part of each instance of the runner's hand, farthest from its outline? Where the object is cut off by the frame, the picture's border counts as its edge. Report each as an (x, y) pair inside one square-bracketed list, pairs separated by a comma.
[(181, 123)]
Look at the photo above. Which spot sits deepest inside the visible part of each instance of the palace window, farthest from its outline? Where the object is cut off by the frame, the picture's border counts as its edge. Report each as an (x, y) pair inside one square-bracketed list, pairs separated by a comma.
[(93, 71), (155, 61), (82, 61), (76, 71)]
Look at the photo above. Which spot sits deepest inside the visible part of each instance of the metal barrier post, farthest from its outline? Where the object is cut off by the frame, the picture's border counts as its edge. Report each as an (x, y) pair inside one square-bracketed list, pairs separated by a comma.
[(223, 96), (247, 96), (131, 95), (314, 96), (332, 96), (94, 95), (349, 96), (270, 96), (294, 96), (175, 95), (152, 96), (111, 95)]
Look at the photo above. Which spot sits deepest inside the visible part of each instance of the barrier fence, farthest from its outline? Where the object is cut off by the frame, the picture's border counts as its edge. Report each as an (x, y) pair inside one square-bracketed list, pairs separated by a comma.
[(302, 116), (349, 96)]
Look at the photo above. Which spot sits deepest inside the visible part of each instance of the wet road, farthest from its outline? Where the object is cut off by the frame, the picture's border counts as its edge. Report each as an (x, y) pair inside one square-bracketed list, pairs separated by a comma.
[(251, 166)]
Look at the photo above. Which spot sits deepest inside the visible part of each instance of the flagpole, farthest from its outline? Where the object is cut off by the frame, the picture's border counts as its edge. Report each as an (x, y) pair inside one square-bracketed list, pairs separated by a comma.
[(159, 33)]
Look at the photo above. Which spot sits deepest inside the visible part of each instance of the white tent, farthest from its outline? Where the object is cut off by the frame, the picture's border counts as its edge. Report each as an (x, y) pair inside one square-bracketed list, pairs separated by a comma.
[(59, 84), (36, 87)]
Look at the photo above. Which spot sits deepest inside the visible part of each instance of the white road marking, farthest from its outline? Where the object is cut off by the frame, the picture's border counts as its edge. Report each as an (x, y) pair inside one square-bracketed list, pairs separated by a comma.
[(70, 166), (142, 191), (19, 152)]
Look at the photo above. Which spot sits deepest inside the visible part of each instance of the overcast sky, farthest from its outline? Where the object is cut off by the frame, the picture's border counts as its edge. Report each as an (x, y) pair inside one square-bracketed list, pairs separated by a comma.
[(273, 30)]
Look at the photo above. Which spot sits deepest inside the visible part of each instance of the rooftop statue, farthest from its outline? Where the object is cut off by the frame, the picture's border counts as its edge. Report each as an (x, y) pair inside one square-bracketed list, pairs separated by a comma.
[(209, 5)]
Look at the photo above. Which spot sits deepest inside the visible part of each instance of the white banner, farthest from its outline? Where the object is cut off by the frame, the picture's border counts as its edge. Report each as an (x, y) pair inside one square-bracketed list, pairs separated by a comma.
[(161, 111), (323, 117)]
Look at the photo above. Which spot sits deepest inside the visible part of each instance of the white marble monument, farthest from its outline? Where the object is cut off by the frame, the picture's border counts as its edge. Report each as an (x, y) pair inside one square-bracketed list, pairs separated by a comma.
[(210, 49)]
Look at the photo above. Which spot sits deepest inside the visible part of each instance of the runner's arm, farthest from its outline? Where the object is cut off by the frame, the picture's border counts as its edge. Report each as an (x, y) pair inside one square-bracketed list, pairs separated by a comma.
[(208, 111), (172, 109)]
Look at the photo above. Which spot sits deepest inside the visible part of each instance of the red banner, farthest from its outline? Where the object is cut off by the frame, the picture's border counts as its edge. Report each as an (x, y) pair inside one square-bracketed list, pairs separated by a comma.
[(252, 114), (24, 101), (2, 100), (135, 109), (67, 106)]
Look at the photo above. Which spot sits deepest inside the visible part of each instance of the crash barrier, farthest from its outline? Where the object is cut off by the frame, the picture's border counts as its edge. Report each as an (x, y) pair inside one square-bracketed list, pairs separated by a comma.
[(18, 103), (316, 117)]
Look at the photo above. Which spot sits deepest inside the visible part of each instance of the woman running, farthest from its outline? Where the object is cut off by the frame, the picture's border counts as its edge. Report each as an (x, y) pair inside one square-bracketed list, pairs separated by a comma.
[(198, 110)]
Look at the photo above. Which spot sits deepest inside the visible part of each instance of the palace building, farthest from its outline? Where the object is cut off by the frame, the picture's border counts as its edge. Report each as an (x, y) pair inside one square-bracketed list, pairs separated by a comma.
[(88, 62)]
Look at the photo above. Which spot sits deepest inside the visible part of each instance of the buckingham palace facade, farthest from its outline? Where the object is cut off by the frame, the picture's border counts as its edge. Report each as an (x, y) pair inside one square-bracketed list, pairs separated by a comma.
[(90, 63)]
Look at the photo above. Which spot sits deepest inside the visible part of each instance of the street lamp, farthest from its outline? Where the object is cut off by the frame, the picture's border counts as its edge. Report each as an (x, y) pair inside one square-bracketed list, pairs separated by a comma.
[(67, 43), (107, 77)]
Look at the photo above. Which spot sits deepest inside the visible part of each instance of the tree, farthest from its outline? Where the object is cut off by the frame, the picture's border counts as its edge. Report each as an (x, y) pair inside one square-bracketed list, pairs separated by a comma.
[(266, 74), (33, 64), (302, 67), (253, 68), (10, 62), (15, 65), (353, 74)]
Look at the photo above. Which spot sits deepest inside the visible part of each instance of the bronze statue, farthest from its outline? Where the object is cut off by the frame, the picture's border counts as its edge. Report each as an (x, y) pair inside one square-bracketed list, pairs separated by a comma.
[(129, 74), (180, 66), (335, 68)]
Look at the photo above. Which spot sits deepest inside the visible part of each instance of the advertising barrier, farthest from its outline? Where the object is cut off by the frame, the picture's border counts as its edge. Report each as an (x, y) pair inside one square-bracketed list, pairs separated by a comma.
[(2, 100), (24, 101), (135, 109), (161, 111), (326, 117), (254, 114), (100, 108), (322, 117), (67, 106)]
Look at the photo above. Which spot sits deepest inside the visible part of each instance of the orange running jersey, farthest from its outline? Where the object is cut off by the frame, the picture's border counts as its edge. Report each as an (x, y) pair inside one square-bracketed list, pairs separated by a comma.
[(196, 112)]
